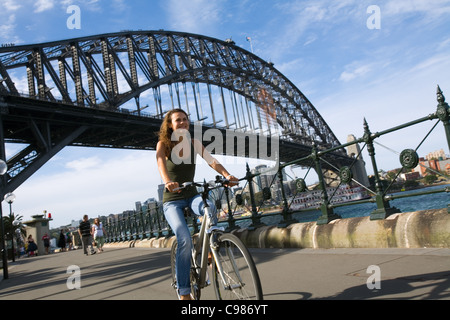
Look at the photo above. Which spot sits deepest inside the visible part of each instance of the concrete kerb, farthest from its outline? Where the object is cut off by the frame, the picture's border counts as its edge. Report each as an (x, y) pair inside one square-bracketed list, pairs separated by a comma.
[(143, 243), (429, 228), (420, 229)]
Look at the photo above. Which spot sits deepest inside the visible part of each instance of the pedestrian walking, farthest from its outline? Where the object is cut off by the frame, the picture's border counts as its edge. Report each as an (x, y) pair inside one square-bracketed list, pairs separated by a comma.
[(62, 241), (46, 240), (69, 240), (99, 234), (84, 230), (32, 247)]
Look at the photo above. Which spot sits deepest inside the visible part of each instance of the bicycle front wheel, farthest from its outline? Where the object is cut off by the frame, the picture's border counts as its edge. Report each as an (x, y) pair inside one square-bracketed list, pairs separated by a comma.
[(239, 279)]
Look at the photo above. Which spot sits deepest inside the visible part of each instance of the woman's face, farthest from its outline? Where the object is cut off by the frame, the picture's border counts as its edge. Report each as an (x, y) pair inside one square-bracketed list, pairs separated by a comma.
[(179, 120)]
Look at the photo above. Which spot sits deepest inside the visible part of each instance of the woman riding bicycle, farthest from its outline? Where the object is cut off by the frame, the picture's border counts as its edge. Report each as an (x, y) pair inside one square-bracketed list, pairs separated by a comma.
[(176, 154)]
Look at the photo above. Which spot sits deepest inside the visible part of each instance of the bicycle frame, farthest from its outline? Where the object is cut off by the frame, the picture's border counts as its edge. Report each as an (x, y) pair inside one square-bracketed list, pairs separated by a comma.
[(202, 247), (203, 244)]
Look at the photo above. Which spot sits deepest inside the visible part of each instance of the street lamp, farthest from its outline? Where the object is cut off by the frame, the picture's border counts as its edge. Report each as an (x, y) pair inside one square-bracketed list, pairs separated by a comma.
[(3, 169), (10, 197)]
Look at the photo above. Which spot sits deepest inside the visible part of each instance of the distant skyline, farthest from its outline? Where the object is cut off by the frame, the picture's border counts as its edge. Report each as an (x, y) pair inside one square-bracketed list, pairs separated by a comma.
[(378, 60)]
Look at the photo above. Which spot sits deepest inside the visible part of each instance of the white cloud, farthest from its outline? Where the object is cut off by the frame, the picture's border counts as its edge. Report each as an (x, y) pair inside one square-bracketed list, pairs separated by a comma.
[(10, 5), (432, 9), (7, 28), (84, 163), (43, 5), (90, 5), (355, 73), (196, 16)]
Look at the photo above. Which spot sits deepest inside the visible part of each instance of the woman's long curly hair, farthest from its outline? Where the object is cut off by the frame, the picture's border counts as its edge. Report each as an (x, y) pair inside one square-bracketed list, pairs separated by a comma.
[(165, 132)]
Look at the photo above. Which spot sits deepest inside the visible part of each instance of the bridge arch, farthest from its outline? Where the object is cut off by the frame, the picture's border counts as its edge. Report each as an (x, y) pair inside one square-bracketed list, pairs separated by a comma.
[(44, 85), (106, 71)]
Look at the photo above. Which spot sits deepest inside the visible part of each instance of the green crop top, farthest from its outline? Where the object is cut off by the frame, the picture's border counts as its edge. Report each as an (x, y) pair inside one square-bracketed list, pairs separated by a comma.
[(182, 172)]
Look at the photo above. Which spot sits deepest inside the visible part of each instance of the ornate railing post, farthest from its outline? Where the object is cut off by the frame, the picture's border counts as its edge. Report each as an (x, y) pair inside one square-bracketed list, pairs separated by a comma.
[(129, 228), (149, 223), (256, 219), (231, 221), (116, 233), (141, 218), (383, 208), (120, 228), (327, 212), (287, 215), (443, 113), (111, 231), (137, 225), (134, 227), (106, 225), (158, 222)]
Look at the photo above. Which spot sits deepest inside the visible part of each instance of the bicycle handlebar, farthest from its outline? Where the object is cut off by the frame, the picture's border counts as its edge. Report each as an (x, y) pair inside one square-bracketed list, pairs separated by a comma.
[(212, 184)]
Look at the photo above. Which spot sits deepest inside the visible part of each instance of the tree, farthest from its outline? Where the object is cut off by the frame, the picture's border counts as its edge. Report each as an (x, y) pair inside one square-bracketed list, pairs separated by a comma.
[(10, 229), (410, 184), (430, 179)]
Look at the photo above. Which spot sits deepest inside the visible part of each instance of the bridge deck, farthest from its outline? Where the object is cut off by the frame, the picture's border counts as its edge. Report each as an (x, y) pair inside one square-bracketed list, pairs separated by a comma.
[(144, 274)]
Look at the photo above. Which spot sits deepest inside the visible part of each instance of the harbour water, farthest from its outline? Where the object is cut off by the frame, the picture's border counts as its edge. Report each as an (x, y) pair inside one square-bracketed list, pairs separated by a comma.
[(408, 204)]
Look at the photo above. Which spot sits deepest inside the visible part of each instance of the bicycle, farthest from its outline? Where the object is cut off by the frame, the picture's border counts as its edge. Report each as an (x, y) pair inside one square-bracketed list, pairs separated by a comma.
[(234, 272)]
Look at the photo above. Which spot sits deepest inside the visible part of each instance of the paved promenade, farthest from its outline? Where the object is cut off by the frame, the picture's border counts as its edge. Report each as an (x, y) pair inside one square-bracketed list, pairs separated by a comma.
[(286, 274)]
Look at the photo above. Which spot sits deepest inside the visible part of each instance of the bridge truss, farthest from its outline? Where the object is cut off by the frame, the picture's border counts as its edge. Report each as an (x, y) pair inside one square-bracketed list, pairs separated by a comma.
[(112, 90)]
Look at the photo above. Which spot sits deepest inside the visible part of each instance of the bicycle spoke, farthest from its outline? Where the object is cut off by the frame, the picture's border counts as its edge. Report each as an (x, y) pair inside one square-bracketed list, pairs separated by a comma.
[(237, 278)]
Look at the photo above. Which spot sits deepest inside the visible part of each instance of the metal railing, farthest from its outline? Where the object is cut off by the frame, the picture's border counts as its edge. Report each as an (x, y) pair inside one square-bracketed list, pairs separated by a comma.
[(150, 222)]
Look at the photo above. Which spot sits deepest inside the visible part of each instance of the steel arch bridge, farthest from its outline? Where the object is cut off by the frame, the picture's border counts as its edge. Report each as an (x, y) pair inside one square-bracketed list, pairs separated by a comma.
[(112, 90)]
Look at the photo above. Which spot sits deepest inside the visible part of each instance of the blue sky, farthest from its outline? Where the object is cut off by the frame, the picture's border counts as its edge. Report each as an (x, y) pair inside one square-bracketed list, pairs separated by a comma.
[(349, 72)]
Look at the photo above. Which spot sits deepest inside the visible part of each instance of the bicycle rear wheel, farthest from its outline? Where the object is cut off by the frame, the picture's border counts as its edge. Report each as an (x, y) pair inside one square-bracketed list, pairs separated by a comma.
[(240, 279), (195, 290)]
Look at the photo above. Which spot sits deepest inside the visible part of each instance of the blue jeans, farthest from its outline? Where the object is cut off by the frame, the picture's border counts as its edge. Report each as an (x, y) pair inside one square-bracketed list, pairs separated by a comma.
[(174, 213)]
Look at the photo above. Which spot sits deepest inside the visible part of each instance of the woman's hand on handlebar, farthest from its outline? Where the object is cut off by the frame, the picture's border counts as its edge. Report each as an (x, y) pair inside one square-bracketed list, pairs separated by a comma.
[(173, 187), (232, 181)]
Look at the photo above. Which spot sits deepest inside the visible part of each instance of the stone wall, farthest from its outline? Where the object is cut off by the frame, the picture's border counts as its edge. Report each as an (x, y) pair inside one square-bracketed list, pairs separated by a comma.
[(429, 228)]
